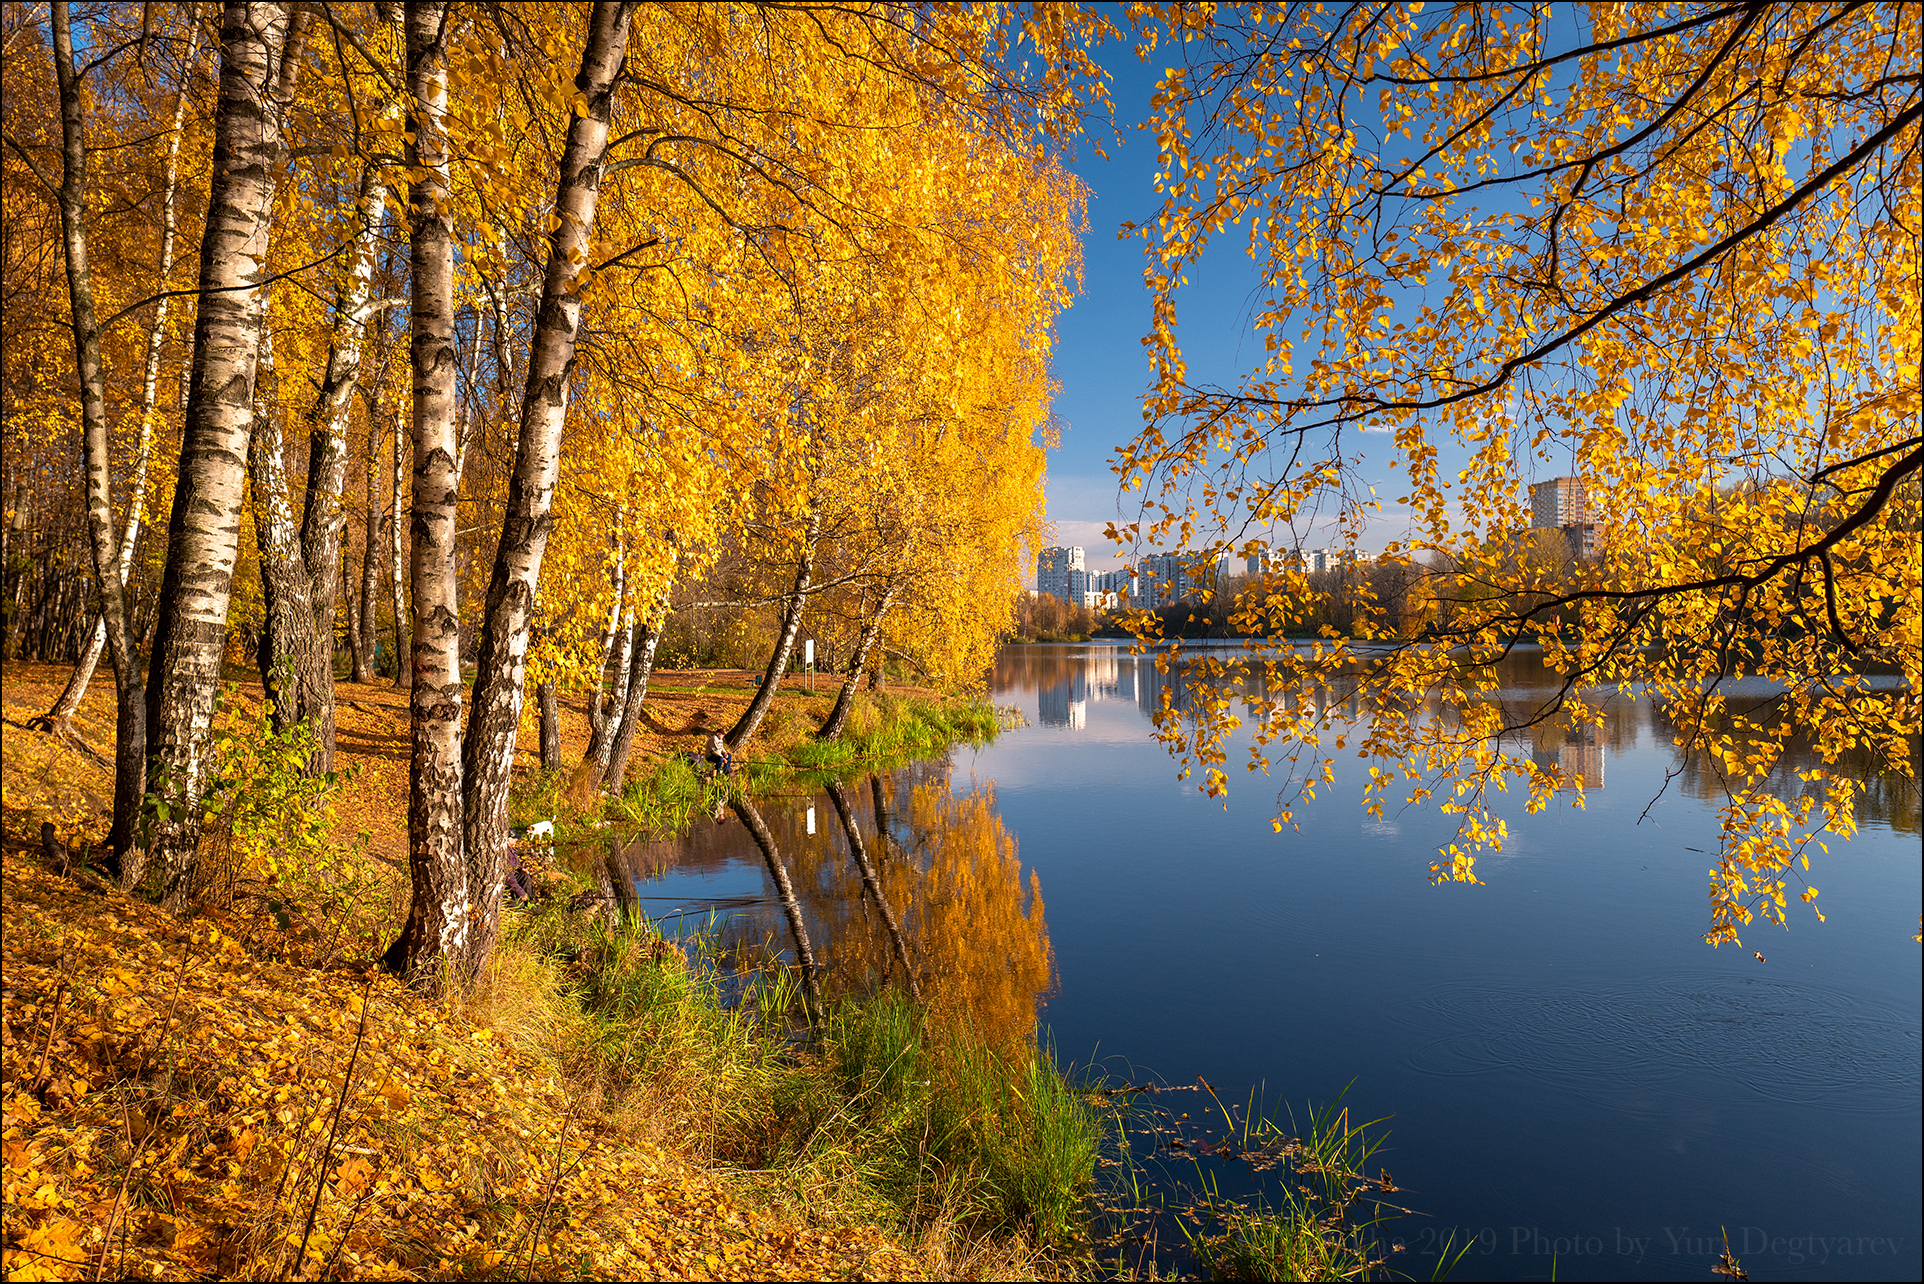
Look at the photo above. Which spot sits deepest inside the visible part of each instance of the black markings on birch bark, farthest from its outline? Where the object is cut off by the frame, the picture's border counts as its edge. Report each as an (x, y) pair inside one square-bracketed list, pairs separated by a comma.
[(434, 942), (501, 669), (203, 534), (785, 643), (130, 726)]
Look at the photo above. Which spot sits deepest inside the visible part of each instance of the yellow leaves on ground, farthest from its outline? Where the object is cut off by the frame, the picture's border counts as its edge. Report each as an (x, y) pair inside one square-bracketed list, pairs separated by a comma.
[(187, 1074)]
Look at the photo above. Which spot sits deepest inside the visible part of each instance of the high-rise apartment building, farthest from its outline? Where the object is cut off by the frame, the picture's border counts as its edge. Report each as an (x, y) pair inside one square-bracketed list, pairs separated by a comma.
[(1314, 559), (1166, 577), (1563, 503), (1053, 567)]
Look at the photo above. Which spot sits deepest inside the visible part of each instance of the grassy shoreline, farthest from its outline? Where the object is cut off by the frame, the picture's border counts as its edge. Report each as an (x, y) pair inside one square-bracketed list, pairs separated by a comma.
[(202, 1094), (667, 794), (243, 1092), (978, 1155)]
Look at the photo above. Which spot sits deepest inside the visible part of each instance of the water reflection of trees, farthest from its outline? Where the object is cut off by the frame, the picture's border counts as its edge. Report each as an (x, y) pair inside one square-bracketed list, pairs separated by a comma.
[(1568, 749), (1883, 796), (903, 879)]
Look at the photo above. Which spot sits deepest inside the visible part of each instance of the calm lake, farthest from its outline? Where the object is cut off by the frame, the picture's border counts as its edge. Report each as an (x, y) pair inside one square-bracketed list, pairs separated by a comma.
[(1576, 1082)]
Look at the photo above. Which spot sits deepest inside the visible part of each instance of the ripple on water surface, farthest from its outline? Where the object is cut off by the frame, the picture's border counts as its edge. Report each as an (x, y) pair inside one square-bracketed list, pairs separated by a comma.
[(1786, 1041)]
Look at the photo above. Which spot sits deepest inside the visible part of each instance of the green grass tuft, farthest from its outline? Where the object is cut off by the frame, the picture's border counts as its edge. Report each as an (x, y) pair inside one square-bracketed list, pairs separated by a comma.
[(936, 1125)]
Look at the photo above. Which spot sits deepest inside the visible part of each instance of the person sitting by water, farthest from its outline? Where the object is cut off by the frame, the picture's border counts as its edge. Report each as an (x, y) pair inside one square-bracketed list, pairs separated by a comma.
[(519, 887), (718, 756)]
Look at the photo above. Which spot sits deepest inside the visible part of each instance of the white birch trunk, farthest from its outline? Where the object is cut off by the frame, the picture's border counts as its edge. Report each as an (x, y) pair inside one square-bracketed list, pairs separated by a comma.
[(434, 943), (130, 710), (630, 722), (60, 717), (322, 515), (501, 671), (597, 711), (285, 655), (845, 699), (203, 533), (403, 656), (371, 521), (751, 718), (601, 742)]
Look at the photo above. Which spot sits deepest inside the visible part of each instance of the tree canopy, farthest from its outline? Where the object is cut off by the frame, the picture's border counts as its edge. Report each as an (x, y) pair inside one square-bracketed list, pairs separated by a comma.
[(1671, 250), (543, 314)]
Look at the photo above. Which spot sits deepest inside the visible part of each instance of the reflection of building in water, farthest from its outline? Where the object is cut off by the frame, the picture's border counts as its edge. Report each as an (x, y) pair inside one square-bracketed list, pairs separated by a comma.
[(1064, 703), (1578, 758), (1110, 674), (1151, 682)]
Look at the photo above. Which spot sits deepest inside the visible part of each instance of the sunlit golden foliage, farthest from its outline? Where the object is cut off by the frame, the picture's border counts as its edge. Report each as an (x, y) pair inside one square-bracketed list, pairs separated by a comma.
[(1674, 252)]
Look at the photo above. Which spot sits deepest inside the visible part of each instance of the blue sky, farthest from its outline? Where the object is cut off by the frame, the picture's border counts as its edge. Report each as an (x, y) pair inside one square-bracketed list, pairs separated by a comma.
[(1103, 370), (1099, 359), (1100, 363)]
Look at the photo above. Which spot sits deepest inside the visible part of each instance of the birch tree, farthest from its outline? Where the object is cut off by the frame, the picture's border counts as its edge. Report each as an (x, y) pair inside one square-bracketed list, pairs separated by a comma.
[(433, 943), (204, 529), (129, 710), (60, 718), (500, 674)]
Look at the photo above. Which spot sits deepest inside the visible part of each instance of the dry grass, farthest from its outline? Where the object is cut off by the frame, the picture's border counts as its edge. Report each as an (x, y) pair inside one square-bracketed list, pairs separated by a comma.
[(508, 1132)]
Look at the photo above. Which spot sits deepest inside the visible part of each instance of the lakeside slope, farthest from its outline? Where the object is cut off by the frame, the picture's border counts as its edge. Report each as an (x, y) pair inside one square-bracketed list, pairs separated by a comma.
[(196, 1096)]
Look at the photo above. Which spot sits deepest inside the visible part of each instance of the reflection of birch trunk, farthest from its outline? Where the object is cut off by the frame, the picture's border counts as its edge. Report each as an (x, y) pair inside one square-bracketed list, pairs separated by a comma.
[(623, 902), (203, 533), (873, 884), (845, 700), (791, 909), (883, 824), (606, 875), (785, 643), (60, 717)]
